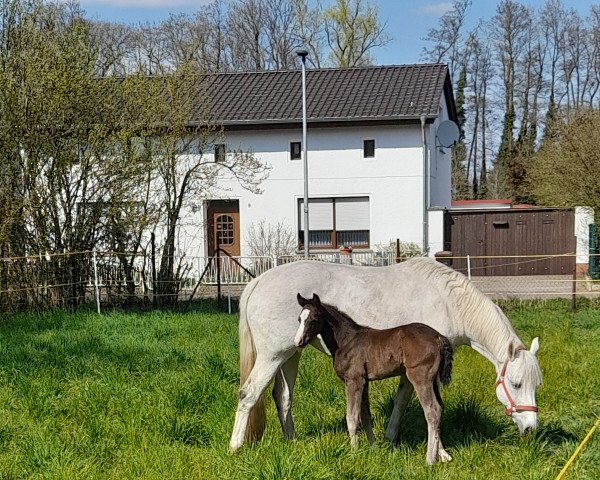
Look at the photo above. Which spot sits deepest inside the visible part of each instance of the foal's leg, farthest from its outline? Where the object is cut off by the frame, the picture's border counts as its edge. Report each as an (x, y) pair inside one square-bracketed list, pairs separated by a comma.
[(365, 414), (262, 373), (354, 391), (433, 413), (403, 394), (283, 394)]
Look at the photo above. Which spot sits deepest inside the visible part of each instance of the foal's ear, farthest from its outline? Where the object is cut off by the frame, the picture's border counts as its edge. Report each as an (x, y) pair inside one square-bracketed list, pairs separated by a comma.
[(316, 300), (301, 300), (535, 345), (511, 351)]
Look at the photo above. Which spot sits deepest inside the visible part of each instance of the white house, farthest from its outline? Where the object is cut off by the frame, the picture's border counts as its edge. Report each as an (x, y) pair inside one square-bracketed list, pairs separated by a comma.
[(376, 169)]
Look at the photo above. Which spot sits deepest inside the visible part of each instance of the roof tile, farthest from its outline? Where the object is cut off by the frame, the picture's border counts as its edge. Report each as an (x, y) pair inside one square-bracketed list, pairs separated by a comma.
[(365, 93)]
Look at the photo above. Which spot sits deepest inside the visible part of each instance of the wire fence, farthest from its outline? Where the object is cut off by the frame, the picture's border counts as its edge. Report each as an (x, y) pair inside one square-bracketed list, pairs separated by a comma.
[(105, 279)]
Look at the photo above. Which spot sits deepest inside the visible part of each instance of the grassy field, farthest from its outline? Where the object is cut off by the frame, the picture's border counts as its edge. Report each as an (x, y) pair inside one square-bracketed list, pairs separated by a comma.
[(152, 396)]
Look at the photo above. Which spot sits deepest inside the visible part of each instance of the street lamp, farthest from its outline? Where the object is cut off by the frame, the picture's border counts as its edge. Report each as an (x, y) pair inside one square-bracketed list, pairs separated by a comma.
[(303, 54)]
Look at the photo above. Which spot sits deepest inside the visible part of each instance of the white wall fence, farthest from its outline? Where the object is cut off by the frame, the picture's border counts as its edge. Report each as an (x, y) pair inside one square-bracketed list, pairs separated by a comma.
[(109, 278)]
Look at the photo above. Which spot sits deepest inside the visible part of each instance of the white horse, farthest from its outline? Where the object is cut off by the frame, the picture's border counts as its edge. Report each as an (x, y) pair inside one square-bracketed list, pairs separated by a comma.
[(418, 290)]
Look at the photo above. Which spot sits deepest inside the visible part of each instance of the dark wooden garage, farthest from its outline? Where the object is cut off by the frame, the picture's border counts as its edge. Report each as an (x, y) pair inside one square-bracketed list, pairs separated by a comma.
[(512, 241)]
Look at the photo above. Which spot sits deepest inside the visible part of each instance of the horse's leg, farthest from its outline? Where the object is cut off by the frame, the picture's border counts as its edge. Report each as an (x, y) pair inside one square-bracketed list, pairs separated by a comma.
[(365, 414), (283, 394), (354, 389), (262, 373), (403, 394)]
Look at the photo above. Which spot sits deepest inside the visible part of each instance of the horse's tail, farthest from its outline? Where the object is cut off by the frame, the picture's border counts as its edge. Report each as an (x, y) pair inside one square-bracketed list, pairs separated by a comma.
[(257, 417)]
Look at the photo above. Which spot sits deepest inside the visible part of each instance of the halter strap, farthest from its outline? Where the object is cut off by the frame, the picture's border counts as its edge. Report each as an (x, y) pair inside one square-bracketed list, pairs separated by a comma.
[(514, 408)]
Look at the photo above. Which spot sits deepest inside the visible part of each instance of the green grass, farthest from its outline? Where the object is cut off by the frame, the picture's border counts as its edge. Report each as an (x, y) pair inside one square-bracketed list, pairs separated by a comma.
[(152, 396)]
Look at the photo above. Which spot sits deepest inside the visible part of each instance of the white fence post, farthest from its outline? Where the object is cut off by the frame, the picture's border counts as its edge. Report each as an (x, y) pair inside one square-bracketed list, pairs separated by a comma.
[(469, 266), (96, 285)]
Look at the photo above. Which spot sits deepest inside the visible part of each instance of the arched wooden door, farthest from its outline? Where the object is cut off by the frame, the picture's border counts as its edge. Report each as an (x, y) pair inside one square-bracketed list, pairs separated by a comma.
[(224, 226)]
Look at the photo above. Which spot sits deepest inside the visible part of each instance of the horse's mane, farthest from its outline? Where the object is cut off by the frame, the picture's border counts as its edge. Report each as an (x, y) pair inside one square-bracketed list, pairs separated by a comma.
[(476, 311)]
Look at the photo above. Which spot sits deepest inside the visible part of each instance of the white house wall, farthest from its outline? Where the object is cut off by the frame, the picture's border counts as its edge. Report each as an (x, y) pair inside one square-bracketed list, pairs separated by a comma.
[(392, 179), (440, 164)]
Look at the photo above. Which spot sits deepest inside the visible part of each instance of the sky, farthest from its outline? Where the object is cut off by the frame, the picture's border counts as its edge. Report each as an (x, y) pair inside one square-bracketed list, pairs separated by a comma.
[(407, 20)]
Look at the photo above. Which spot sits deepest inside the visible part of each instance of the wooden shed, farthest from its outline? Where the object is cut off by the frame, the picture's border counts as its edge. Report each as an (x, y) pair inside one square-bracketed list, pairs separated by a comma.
[(511, 241)]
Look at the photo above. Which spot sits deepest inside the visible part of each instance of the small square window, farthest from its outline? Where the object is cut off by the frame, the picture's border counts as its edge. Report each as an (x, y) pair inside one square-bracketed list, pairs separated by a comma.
[(368, 148), (220, 152), (295, 150)]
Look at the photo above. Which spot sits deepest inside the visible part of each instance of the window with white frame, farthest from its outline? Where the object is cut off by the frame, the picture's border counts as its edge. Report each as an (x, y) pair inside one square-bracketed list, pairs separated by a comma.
[(369, 148), (336, 222), (220, 151), (295, 150)]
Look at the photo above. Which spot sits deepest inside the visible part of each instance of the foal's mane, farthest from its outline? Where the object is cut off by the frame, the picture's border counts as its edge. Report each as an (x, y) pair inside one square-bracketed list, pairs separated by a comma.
[(341, 317)]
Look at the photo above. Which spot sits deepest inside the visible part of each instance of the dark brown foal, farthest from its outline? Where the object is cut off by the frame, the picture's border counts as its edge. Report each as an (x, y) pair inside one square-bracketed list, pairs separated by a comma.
[(361, 354)]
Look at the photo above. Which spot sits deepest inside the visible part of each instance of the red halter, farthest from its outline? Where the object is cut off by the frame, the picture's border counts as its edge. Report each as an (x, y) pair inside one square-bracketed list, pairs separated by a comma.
[(514, 408)]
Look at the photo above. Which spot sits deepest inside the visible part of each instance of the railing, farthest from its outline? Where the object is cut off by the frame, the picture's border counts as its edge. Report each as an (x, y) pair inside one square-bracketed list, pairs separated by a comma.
[(69, 279)]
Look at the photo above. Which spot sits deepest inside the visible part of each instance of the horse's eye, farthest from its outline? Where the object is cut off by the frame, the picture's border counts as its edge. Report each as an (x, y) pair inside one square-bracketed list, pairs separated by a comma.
[(516, 385)]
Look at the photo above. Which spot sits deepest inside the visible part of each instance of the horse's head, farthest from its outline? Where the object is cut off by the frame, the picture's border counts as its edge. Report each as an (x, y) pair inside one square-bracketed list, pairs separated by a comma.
[(310, 320), (518, 380)]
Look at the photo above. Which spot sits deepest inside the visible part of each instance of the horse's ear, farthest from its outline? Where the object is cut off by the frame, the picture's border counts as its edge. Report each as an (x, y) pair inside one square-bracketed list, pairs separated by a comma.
[(511, 351), (301, 300), (316, 300), (535, 345)]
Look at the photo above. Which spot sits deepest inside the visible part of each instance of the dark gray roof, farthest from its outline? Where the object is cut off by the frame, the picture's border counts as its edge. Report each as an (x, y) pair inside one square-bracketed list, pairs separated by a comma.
[(366, 94)]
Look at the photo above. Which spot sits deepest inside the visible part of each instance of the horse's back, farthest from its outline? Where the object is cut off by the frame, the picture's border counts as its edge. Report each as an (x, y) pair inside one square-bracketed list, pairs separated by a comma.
[(379, 297)]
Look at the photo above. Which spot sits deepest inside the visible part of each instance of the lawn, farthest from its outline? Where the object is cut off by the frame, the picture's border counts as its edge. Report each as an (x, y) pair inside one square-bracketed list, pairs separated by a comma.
[(152, 395)]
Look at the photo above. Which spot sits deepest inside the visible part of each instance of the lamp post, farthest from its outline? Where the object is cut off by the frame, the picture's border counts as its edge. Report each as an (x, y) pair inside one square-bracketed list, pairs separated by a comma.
[(302, 54)]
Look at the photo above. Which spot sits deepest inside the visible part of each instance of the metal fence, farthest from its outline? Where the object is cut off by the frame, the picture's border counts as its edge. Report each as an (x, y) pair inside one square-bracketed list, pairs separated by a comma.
[(110, 278)]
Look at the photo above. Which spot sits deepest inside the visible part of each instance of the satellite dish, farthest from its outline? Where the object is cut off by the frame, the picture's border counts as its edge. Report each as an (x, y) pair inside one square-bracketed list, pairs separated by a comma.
[(447, 133)]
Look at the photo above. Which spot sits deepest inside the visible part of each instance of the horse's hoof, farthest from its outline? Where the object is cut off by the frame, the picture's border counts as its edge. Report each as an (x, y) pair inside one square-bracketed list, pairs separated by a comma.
[(444, 456)]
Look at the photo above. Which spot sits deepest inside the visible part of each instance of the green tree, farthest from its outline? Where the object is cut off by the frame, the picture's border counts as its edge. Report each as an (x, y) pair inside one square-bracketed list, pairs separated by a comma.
[(353, 30), (184, 168), (460, 182), (566, 171), (54, 120)]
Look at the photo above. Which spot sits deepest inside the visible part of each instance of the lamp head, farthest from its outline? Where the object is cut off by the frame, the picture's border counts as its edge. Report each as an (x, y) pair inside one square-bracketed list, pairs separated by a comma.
[(302, 54)]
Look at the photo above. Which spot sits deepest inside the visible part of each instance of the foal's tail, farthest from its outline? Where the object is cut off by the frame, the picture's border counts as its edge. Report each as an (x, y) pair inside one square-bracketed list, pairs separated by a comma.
[(447, 353), (445, 368), (257, 418)]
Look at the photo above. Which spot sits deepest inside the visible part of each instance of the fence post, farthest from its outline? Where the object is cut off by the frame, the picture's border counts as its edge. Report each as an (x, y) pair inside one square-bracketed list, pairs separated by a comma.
[(96, 283), (218, 252), (574, 285), (153, 260), (229, 292), (469, 267)]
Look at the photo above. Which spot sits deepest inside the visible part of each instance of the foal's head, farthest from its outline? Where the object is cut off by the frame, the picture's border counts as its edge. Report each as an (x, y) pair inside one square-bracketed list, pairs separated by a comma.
[(310, 318)]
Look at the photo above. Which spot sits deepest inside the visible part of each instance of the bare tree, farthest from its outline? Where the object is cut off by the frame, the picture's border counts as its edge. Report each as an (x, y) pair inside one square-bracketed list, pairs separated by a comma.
[(183, 37), (112, 44), (509, 28), (448, 38), (246, 34), (273, 240)]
